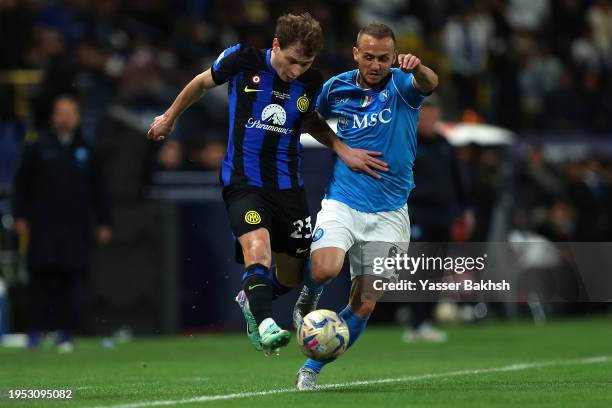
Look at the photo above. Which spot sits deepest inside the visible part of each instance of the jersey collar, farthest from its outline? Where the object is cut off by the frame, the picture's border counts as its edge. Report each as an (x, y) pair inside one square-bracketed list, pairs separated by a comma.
[(377, 90), (268, 54)]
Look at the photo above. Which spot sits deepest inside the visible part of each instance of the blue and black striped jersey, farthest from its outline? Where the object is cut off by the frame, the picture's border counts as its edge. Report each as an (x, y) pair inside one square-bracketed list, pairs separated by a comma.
[(265, 118)]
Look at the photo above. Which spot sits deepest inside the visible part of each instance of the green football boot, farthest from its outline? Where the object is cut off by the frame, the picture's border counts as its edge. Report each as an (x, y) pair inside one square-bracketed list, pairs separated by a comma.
[(251, 324), (273, 338)]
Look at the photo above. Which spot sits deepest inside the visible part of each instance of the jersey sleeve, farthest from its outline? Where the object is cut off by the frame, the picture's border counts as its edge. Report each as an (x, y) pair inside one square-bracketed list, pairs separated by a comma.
[(405, 84), (225, 65), (322, 101)]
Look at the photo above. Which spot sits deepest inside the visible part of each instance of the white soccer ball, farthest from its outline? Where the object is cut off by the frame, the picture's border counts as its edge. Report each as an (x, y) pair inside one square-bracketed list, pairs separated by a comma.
[(323, 335)]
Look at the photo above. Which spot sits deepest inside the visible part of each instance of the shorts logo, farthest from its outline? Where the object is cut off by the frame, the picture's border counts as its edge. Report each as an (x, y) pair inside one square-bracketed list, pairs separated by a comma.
[(383, 96), (317, 234), (252, 217), (301, 250), (303, 103)]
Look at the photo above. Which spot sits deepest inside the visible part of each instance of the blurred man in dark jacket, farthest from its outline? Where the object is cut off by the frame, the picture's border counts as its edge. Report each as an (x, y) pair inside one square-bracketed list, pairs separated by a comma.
[(58, 197), (438, 200)]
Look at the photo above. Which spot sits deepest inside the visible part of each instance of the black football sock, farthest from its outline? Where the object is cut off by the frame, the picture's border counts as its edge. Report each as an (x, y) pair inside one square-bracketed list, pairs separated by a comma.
[(259, 287)]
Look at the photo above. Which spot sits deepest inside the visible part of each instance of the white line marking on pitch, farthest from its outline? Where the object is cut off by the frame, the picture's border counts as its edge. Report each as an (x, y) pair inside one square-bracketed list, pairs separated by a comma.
[(512, 367), (142, 383)]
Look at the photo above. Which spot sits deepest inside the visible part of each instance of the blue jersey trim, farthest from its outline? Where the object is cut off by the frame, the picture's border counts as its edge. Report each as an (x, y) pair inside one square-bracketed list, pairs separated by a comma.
[(224, 55), (227, 167), (268, 55)]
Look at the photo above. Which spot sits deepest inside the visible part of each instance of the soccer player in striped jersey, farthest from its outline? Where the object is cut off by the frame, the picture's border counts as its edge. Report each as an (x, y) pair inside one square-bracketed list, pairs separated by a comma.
[(272, 94), (377, 109)]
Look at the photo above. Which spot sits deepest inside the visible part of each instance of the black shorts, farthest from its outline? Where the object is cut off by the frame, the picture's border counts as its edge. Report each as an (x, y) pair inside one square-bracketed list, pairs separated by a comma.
[(284, 213)]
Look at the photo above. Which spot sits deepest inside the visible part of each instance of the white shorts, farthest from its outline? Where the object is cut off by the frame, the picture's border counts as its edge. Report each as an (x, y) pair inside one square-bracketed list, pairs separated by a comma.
[(340, 226)]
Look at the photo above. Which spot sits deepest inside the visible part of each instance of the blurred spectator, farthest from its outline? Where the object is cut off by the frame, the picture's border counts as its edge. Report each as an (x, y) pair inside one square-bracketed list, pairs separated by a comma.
[(539, 77), (485, 186), (538, 183), (589, 194), (171, 155), (559, 225), (567, 23), (209, 156), (585, 54), (466, 42), (528, 15), (595, 112), (16, 24), (504, 63), (561, 112), (58, 196), (439, 199), (599, 17)]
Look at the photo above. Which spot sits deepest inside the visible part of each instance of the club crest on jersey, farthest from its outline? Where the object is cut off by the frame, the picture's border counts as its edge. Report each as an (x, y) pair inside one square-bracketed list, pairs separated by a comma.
[(303, 103), (365, 100), (383, 96), (255, 79)]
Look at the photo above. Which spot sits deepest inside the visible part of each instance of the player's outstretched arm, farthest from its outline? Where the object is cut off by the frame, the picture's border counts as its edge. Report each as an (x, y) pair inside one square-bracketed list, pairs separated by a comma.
[(356, 159), (163, 124), (425, 79)]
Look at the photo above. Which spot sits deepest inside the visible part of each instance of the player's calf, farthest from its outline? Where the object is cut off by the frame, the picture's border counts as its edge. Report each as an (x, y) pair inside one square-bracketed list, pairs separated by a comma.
[(258, 287)]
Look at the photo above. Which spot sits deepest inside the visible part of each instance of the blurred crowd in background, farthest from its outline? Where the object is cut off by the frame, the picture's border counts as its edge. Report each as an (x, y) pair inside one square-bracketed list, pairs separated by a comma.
[(521, 64), (538, 67)]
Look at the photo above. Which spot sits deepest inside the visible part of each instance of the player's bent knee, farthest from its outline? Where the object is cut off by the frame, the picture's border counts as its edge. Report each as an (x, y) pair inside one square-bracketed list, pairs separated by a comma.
[(323, 272), (326, 263), (256, 248)]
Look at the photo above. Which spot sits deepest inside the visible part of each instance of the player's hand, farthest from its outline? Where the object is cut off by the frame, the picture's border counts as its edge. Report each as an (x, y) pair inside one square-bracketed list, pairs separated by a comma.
[(408, 62), (160, 128), (360, 160)]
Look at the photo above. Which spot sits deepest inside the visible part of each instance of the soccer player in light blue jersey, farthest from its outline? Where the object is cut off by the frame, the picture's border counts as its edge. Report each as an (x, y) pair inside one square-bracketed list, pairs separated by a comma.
[(377, 109)]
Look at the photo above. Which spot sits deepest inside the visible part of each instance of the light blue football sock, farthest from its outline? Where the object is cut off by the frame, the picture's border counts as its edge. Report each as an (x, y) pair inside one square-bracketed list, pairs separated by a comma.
[(356, 326)]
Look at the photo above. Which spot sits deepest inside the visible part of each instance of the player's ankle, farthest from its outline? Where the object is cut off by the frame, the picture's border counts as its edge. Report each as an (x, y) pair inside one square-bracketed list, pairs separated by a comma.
[(265, 323)]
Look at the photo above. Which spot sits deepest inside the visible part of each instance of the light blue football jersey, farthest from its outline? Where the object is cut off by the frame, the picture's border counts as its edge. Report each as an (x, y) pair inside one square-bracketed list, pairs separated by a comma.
[(384, 121)]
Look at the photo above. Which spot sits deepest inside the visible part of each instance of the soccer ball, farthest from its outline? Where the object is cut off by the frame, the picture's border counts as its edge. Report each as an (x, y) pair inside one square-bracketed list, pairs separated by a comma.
[(323, 335)]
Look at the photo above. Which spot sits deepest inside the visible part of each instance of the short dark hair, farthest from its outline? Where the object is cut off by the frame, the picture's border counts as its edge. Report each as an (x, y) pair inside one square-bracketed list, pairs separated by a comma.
[(67, 97), (376, 30), (301, 30)]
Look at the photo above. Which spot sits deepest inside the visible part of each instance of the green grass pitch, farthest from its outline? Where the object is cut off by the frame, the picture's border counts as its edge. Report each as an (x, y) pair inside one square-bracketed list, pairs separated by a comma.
[(565, 363)]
